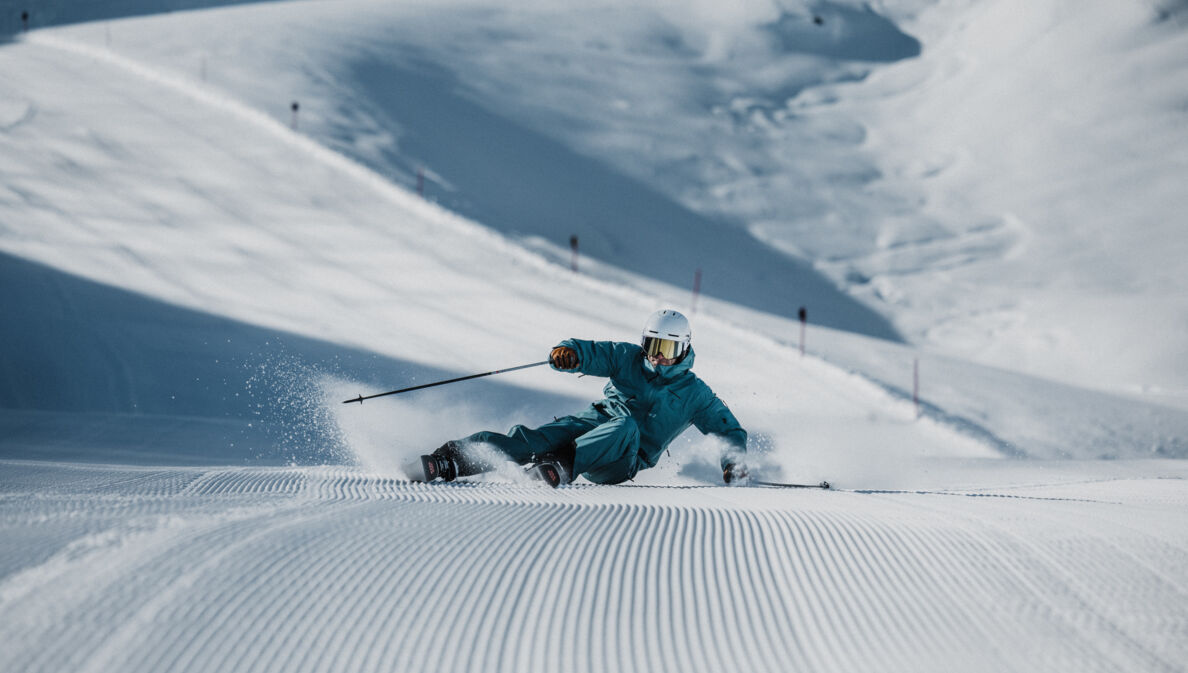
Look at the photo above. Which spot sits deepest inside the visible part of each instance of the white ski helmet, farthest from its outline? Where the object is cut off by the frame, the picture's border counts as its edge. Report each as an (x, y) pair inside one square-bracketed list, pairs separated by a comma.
[(667, 334)]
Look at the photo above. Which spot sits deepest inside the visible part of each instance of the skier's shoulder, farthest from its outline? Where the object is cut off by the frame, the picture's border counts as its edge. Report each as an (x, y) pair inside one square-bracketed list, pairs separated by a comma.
[(699, 386), (630, 357), (700, 391)]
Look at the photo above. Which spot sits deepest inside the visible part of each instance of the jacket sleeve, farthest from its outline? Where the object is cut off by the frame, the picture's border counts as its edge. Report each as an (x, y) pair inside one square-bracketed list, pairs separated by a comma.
[(717, 419), (600, 358)]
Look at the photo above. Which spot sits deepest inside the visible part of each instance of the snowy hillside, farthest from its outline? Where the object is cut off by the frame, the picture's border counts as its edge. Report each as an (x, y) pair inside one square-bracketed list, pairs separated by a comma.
[(1009, 194), (195, 276)]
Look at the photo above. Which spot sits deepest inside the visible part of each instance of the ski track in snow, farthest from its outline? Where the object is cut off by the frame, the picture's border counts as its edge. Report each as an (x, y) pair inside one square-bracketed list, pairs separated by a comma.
[(335, 569)]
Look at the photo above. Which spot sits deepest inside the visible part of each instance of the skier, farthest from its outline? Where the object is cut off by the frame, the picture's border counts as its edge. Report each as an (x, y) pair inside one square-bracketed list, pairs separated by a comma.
[(650, 399)]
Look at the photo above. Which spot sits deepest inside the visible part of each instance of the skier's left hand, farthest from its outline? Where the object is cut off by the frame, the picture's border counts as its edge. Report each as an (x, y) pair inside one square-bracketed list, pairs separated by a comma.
[(736, 474)]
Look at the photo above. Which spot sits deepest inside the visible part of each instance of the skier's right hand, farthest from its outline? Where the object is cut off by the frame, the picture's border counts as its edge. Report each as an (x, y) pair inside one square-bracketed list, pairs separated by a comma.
[(564, 357)]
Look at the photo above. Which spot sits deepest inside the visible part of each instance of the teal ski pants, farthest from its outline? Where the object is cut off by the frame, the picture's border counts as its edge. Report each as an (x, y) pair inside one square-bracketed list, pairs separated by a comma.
[(606, 450)]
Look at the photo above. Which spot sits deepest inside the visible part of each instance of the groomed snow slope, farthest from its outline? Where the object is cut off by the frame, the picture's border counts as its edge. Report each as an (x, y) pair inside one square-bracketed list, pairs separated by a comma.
[(333, 569), (169, 239)]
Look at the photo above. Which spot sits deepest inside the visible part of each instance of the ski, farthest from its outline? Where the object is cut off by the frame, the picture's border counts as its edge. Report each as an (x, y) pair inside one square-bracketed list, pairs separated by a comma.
[(548, 474), (824, 486)]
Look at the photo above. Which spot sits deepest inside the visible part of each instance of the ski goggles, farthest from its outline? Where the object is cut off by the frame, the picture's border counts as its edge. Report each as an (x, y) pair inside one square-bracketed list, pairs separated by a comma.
[(665, 348)]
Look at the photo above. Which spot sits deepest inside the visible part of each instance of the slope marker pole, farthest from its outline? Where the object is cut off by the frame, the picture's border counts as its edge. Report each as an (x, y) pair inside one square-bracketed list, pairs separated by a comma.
[(803, 315), (916, 385)]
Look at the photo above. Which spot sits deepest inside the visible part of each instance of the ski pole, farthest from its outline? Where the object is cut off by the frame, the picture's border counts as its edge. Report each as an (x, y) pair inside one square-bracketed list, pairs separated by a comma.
[(360, 398)]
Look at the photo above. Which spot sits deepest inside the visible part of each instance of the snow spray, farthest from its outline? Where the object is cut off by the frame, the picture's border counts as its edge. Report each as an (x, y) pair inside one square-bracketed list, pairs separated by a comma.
[(288, 398), (388, 437)]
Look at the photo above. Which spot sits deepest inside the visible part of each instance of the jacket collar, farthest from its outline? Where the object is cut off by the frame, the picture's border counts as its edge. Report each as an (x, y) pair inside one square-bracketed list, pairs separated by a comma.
[(670, 372)]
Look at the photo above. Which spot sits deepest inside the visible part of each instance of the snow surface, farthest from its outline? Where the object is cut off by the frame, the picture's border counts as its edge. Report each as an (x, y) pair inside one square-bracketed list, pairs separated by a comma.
[(293, 569), (192, 286)]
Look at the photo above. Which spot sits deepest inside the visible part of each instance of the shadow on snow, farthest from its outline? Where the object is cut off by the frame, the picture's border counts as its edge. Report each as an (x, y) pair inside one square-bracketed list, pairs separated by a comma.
[(93, 372), (46, 13)]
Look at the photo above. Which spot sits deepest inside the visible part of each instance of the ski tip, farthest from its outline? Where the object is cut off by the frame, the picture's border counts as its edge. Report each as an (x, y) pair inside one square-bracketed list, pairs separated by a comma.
[(826, 485)]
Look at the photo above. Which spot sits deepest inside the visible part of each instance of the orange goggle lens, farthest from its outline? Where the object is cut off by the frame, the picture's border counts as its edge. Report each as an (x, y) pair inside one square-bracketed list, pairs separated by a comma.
[(665, 348)]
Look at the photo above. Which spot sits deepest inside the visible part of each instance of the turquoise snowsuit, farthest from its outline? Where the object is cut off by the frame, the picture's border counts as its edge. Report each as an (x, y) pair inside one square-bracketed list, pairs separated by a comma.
[(645, 408)]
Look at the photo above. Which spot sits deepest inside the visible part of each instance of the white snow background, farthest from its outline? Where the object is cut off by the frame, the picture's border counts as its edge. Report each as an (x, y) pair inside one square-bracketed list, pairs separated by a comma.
[(193, 276)]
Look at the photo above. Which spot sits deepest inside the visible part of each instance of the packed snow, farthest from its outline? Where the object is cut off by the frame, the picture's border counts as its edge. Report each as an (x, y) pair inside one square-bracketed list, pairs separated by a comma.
[(976, 202)]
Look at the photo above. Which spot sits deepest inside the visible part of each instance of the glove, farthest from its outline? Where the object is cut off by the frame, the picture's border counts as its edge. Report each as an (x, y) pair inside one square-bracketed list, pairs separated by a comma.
[(735, 473), (564, 357)]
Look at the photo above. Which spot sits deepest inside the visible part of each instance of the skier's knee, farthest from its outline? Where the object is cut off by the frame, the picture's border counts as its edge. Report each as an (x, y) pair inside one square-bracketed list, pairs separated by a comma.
[(626, 434), (521, 433)]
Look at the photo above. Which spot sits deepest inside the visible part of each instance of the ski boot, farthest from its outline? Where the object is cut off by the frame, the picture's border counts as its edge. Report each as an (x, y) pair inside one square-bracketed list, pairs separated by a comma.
[(439, 467), (451, 461), (555, 468)]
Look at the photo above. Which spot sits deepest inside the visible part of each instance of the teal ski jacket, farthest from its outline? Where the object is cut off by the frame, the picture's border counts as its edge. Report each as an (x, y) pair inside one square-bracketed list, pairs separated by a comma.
[(664, 401)]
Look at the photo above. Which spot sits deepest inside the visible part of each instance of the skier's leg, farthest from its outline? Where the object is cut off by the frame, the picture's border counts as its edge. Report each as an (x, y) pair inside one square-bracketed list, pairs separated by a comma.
[(608, 453), (521, 443)]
